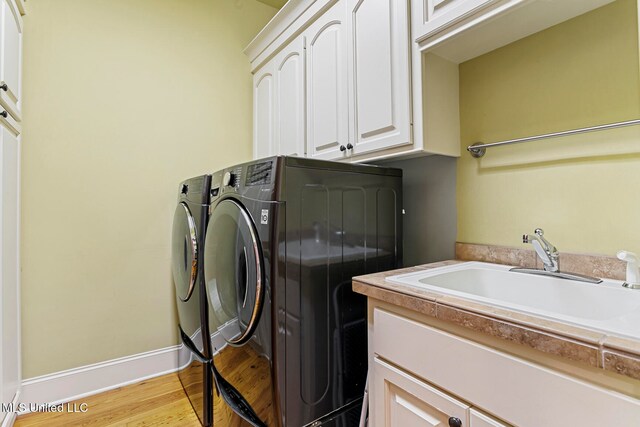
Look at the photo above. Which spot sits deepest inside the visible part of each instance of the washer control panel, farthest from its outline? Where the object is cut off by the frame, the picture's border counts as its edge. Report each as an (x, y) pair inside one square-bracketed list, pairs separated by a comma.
[(228, 179), (232, 178), (259, 173)]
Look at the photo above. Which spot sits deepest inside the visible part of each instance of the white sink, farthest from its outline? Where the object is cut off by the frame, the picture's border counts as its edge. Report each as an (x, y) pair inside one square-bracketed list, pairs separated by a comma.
[(607, 306)]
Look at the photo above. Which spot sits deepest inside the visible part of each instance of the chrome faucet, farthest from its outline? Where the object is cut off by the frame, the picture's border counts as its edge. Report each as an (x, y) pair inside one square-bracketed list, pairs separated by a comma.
[(550, 258), (548, 253)]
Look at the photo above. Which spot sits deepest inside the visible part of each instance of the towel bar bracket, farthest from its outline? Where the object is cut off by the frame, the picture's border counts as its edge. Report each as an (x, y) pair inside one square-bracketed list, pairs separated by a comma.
[(477, 152)]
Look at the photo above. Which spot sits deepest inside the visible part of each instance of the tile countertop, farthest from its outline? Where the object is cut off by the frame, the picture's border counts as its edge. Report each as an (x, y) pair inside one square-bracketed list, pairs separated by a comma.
[(616, 354)]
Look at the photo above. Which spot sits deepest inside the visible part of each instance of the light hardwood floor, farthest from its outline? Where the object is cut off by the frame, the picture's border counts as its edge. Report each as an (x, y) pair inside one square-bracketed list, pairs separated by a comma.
[(156, 402), (161, 401)]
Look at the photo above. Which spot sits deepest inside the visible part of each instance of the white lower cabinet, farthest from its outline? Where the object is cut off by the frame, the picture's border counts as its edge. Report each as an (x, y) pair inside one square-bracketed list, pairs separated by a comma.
[(423, 376), (402, 400), (478, 419), (410, 402)]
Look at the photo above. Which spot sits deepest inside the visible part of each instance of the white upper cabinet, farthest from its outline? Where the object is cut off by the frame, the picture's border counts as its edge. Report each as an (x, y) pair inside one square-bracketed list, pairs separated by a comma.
[(360, 83), (379, 71), (459, 30), (327, 85), (436, 14), (11, 59), (263, 112), (290, 99)]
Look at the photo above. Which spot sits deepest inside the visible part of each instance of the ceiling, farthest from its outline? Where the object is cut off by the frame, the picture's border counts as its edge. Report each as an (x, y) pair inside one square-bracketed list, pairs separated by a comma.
[(274, 3)]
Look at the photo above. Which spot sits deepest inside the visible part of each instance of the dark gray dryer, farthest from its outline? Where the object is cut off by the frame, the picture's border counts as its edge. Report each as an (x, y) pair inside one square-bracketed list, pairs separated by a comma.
[(285, 237), (194, 357)]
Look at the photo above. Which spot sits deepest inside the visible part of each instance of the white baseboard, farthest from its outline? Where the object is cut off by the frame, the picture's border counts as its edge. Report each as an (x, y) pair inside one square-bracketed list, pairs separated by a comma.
[(76, 383), (73, 384), (10, 417)]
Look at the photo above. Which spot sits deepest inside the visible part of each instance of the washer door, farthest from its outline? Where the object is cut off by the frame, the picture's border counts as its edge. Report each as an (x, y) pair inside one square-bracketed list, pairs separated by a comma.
[(184, 252), (234, 271)]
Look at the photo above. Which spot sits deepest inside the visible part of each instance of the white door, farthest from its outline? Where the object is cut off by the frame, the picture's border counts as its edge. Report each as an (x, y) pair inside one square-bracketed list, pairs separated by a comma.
[(327, 85), (399, 399), (263, 112), (11, 59), (9, 254), (379, 70), (289, 100)]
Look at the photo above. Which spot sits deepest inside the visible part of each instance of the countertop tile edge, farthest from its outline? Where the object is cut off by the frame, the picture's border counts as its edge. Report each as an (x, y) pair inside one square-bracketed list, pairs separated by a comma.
[(608, 352), (536, 339)]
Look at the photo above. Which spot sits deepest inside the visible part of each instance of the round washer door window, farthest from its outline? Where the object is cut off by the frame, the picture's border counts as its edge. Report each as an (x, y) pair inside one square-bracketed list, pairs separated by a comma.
[(234, 272), (184, 252)]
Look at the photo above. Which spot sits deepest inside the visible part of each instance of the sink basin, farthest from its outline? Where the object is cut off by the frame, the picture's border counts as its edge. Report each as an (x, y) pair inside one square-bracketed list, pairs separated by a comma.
[(606, 306)]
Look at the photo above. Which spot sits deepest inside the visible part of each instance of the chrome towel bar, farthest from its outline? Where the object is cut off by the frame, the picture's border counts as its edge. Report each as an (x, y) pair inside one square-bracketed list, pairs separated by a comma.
[(478, 149)]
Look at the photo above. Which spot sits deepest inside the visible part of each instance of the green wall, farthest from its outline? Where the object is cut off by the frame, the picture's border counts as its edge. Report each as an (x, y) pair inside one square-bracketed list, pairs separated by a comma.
[(583, 191), (123, 99)]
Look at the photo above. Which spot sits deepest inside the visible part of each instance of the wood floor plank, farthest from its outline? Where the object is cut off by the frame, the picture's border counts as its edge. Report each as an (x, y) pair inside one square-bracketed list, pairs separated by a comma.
[(156, 402), (161, 401)]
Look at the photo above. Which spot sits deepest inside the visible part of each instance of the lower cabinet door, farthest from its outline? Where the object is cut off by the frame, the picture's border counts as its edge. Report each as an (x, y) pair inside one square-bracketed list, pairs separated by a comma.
[(399, 399), (478, 419)]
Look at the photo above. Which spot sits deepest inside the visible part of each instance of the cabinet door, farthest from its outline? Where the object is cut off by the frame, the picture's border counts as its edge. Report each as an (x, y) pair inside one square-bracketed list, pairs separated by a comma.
[(434, 15), (289, 100), (263, 112), (9, 254), (399, 399), (380, 74), (327, 85), (11, 59), (478, 419)]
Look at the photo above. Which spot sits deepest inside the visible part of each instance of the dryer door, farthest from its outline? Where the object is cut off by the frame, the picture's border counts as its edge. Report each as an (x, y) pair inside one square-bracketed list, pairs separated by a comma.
[(184, 252), (234, 271)]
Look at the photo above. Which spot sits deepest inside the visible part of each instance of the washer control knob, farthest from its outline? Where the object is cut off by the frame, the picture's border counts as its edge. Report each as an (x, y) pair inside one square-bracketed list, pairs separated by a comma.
[(229, 179)]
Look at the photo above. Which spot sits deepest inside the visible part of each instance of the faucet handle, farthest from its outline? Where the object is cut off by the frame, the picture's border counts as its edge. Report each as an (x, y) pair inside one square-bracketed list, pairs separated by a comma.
[(627, 256), (633, 273), (548, 246)]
